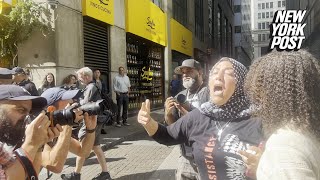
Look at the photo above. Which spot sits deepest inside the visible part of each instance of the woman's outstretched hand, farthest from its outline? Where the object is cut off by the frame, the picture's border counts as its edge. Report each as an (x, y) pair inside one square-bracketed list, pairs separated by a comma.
[(145, 119), (144, 114)]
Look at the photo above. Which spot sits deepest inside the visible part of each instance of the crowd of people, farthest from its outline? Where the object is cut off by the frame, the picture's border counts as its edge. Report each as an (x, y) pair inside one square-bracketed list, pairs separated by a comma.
[(58, 116), (256, 123)]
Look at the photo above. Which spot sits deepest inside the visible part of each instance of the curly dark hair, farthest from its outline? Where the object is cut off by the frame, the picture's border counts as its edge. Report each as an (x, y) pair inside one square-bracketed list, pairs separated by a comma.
[(284, 88), (67, 79)]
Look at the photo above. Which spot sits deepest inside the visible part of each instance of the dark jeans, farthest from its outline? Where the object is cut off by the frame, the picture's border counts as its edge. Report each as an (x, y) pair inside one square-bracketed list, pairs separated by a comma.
[(122, 100)]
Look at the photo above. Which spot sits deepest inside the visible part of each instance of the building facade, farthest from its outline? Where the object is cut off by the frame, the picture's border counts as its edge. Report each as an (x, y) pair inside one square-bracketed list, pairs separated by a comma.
[(243, 35), (262, 15), (147, 37), (221, 29), (312, 17)]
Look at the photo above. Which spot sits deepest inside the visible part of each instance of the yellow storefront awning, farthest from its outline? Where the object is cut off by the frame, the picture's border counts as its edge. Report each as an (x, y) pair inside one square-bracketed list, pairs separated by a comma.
[(5, 4), (145, 19), (102, 10), (181, 38)]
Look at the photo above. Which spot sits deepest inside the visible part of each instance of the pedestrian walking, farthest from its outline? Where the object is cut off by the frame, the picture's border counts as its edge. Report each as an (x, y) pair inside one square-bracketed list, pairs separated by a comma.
[(91, 94)]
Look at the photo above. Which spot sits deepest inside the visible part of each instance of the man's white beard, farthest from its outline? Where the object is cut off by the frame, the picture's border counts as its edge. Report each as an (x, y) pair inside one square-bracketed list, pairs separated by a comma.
[(188, 83)]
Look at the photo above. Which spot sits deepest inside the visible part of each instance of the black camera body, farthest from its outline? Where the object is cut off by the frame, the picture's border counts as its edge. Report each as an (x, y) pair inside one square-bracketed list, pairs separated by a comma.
[(181, 99), (67, 116)]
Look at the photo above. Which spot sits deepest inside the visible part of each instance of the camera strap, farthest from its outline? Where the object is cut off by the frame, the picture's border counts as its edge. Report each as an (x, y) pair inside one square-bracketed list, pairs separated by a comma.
[(27, 164)]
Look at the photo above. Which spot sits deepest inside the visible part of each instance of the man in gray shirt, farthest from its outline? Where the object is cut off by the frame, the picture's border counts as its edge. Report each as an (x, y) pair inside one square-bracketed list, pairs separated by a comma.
[(121, 86)]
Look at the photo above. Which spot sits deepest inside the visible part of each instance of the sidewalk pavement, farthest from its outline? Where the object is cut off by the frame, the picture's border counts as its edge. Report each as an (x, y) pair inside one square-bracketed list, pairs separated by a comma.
[(114, 136)]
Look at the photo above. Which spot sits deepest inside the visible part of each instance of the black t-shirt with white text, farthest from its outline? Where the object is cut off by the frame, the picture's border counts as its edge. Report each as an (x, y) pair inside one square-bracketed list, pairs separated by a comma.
[(215, 159)]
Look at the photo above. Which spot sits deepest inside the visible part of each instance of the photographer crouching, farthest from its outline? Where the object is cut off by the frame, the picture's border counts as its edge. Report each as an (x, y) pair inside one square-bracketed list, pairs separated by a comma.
[(15, 106)]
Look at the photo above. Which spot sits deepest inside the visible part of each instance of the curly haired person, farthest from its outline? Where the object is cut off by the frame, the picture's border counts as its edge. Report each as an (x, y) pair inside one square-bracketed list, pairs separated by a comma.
[(284, 88)]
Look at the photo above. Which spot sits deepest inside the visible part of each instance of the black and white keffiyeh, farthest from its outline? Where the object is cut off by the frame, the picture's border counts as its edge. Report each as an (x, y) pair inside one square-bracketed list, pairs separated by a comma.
[(238, 105)]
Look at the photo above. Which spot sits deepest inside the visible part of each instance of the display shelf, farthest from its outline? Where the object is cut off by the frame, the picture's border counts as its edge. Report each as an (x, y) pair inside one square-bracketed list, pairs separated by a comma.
[(145, 70)]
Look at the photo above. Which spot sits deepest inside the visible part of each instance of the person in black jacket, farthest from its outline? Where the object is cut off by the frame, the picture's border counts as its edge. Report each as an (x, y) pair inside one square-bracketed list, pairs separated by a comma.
[(216, 131), (21, 79)]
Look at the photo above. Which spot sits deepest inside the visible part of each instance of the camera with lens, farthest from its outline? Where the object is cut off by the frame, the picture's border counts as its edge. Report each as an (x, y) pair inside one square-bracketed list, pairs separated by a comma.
[(67, 116), (181, 99)]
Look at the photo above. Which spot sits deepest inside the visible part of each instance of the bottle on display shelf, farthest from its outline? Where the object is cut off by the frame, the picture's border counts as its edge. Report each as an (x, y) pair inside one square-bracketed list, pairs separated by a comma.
[(133, 48)]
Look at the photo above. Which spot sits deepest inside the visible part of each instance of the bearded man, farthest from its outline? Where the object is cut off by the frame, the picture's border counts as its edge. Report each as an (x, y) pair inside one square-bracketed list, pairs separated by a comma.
[(15, 106), (195, 94)]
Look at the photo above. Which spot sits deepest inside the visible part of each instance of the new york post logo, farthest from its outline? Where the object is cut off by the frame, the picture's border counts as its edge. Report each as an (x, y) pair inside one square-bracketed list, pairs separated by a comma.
[(287, 30)]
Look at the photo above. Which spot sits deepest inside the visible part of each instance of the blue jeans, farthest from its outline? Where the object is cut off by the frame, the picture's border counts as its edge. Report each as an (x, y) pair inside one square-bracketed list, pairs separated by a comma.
[(122, 101)]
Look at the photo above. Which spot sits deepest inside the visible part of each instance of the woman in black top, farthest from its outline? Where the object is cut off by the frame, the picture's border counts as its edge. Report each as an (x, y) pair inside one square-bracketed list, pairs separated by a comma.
[(217, 131)]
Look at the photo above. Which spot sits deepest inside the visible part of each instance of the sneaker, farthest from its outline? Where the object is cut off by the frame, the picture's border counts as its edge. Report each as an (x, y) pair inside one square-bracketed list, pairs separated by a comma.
[(126, 124), (103, 176), (71, 176), (118, 125)]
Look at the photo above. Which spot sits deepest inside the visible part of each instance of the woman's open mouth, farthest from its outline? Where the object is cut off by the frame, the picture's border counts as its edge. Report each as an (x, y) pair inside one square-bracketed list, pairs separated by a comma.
[(218, 90)]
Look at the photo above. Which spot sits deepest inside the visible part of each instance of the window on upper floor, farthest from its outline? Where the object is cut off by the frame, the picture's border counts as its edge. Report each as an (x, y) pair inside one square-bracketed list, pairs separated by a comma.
[(267, 5), (268, 24), (199, 20), (158, 3), (263, 5), (271, 5), (267, 14), (259, 6), (259, 25), (263, 15), (237, 8), (271, 14), (180, 11), (237, 29), (259, 15), (283, 3), (263, 25), (259, 37), (279, 3)]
